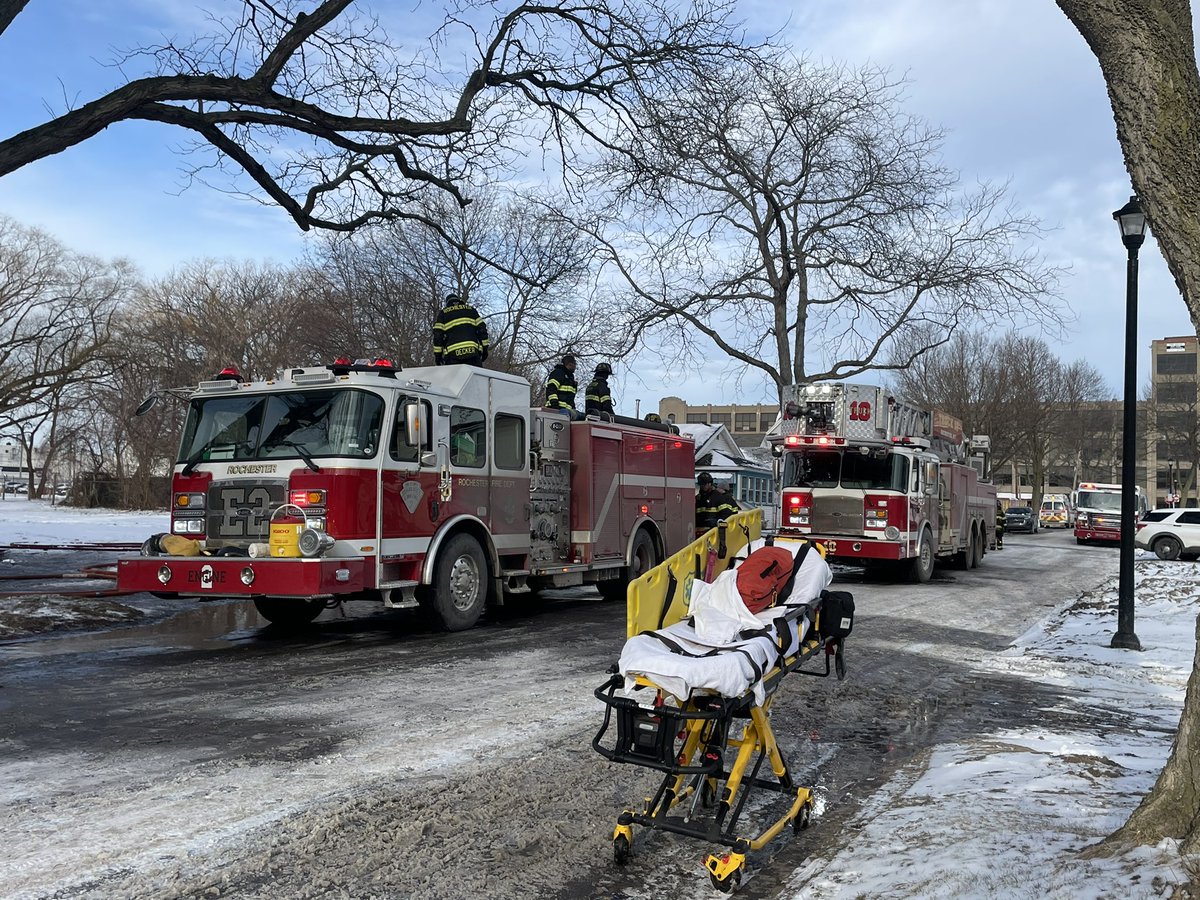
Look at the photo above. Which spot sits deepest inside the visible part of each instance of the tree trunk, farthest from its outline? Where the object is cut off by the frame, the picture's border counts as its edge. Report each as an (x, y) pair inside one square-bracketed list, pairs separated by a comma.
[(1172, 808), (1146, 53)]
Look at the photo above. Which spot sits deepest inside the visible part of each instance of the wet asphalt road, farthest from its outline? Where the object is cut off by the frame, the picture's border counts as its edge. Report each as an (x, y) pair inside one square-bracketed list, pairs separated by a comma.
[(206, 754)]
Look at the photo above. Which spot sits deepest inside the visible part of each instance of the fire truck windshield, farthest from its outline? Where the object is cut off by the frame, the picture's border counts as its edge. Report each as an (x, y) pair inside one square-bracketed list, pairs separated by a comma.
[(1108, 501), (878, 470), (297, 424)]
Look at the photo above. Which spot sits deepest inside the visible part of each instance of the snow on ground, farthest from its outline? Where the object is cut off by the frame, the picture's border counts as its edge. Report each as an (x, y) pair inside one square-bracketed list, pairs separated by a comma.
[(38, 522), (1006, 814)]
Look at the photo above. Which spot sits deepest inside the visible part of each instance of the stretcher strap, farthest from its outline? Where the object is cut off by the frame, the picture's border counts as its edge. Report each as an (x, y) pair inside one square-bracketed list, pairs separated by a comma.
[(672, 583), (677, 648)]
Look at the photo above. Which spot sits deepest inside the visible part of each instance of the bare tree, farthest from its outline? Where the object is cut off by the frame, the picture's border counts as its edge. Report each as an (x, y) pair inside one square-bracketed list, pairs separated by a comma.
[(340, 125), (527, 273), (1146, 51), (1038, 411), (56, 309), (796, 218)]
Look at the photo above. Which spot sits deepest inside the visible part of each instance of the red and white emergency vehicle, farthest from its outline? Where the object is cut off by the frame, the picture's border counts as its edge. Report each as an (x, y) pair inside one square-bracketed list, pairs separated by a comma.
[(880, 481), (435, 486), (1098, 511)]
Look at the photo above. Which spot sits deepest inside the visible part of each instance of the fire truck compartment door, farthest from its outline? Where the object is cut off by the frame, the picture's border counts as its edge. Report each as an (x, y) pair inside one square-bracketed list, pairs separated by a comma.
[(606, 496)]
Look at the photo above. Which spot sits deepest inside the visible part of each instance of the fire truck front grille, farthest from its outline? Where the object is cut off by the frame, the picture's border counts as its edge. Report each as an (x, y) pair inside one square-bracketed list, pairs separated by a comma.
[(1106, 520), (239, 512), (837, 515)]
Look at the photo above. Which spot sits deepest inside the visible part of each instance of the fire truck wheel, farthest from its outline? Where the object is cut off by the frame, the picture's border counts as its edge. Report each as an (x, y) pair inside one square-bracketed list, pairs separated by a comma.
[(460, 584), (977, 549), (286, 612), (642, 560), (922, 565)]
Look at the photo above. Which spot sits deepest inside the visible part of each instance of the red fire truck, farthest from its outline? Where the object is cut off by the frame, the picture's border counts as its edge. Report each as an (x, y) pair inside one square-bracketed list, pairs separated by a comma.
[(882, 482), (1098, 511), (434, 486)]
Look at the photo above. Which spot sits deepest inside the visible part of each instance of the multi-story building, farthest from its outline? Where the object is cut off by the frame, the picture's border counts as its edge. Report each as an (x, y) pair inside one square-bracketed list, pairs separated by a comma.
[(1172, 435), (747, 423)]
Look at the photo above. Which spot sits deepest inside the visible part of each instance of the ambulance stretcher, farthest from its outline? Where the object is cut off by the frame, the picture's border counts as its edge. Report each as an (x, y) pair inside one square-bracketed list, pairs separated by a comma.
[(700, 714)]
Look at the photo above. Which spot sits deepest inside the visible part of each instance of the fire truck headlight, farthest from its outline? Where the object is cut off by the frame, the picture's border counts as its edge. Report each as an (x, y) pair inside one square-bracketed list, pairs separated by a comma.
[(195, 526), (164, 574), (247, 576), (179, 526), (892, 533)]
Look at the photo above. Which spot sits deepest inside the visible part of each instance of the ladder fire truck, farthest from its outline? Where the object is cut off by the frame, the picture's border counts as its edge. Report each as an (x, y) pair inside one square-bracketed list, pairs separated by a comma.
[(879, 481), (434, 486)]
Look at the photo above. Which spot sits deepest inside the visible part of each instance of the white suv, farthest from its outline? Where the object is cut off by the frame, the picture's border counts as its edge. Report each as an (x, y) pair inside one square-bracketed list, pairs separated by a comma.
[(1170, 533)]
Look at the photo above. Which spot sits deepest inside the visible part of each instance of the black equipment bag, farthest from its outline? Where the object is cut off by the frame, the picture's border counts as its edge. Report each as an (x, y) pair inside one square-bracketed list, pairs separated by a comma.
[(837, 614)]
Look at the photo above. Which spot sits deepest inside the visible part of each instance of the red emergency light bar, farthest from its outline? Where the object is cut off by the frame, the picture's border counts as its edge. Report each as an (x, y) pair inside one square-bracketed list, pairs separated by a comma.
[(795, 440)]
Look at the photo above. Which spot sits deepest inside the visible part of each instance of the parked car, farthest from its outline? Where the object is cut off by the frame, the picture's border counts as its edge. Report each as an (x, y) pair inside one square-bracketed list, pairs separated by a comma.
[(1170, 533), (1020, 518)]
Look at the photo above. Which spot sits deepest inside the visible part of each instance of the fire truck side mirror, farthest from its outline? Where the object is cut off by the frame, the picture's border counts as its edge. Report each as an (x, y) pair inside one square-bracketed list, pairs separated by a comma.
[(416, 425), (146, 405)]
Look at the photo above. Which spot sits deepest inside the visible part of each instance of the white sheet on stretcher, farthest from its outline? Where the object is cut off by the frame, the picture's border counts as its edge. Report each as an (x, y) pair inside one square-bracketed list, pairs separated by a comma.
[(719, 616)]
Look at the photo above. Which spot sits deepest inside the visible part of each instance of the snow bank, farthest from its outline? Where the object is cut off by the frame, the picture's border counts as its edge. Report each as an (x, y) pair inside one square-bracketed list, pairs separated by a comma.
[(37, 522)]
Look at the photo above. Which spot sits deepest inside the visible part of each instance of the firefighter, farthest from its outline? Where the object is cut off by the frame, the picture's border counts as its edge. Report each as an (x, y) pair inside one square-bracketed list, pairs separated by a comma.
[(599, 397), (712, 503), (561, 387), (459, 335), (1000, 518)]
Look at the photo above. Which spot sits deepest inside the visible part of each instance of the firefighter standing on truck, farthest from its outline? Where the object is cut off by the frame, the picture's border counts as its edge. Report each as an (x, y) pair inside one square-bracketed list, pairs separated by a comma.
[(599, 397), (561, 387), (712, 504), (460, 335)]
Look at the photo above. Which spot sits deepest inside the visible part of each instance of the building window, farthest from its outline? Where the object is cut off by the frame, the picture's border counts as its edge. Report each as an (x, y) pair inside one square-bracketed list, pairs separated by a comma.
[(1176, 392), (1176, 364), (766, 420), (719, 419), (697, 419), (744, 421)]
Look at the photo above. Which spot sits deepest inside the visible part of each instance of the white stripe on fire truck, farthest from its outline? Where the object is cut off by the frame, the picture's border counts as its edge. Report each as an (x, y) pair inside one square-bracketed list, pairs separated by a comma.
[(656, 481), (397, 546)]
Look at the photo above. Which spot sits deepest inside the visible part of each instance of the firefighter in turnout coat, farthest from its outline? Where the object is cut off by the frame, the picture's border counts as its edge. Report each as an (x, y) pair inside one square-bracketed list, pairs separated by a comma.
[(561, 387), (460, 335), (712, 504), (599, 397)]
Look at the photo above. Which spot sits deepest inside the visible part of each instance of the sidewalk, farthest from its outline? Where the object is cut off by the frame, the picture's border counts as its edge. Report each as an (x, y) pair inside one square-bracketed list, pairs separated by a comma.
[(1005, 814)]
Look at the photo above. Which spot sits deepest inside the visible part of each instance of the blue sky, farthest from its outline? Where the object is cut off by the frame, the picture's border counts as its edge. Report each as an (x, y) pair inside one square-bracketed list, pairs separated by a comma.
[(1011, 81)]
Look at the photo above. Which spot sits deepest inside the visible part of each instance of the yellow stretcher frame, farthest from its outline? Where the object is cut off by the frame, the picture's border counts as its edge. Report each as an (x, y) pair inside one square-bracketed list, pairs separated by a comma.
[(705, 723), (659, 597)]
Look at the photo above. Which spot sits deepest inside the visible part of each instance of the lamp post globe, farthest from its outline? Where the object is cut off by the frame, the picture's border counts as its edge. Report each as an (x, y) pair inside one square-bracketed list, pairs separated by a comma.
[(1132, 221)]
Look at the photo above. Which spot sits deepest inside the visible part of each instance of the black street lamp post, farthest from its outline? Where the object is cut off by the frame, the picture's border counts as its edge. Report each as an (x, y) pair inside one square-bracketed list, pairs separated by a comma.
[(1133, 232)]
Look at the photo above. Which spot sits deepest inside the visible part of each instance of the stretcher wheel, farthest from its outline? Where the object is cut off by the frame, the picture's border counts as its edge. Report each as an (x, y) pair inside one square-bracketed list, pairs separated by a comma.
[(803, 818), (729, 883), (621, 849), (708, 794)]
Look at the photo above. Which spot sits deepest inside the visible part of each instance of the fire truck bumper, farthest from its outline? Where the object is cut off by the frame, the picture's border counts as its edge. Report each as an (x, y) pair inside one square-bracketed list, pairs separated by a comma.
[(228, 576), (857, 547), (1098, 534)]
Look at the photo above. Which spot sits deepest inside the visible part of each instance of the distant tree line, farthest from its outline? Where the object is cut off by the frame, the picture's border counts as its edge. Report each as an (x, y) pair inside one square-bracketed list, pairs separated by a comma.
[(1040, 412)]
